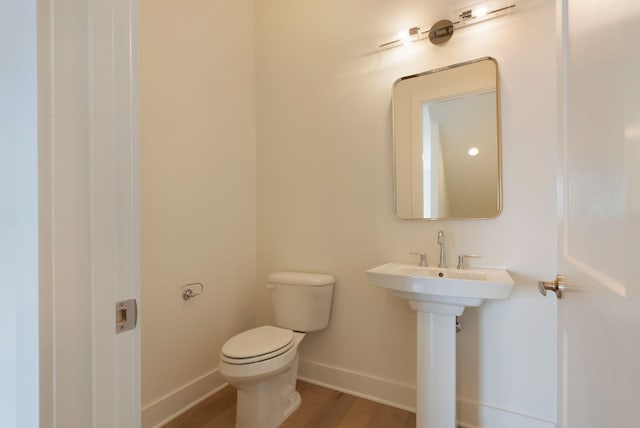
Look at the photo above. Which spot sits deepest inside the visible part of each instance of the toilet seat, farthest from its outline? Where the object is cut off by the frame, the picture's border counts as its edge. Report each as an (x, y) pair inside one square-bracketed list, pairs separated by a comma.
[(258, 344), (239, 370)]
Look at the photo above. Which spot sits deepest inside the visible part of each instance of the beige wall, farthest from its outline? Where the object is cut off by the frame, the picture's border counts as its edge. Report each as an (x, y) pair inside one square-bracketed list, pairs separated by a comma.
[(197, 119), (321, 190), (325, 201)]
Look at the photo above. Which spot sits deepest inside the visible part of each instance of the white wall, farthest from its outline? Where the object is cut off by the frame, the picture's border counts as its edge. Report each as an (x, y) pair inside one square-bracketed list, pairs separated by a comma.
[(18, 215), (197, 121), (325, 198)]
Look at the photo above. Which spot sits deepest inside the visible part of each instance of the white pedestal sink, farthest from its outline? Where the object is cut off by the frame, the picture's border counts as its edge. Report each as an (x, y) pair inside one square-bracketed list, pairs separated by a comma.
[(439, 295)]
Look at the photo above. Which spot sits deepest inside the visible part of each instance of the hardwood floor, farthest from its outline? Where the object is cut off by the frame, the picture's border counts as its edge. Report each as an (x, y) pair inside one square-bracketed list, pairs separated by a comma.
[(320, 408)]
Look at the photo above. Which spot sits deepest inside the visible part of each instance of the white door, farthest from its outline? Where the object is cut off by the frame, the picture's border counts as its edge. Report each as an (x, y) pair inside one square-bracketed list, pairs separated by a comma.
[(599, 314)]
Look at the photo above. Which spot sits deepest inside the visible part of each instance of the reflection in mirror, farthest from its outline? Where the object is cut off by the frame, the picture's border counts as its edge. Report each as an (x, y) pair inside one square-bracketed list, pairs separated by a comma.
[(446, 142)]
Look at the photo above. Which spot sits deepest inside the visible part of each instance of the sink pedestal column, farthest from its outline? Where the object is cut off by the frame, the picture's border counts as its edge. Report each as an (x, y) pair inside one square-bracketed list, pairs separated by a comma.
[(438, 295), (436, 383)]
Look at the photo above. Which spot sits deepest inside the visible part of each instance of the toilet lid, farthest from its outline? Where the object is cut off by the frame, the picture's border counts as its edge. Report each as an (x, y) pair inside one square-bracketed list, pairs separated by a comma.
[(258, 341)]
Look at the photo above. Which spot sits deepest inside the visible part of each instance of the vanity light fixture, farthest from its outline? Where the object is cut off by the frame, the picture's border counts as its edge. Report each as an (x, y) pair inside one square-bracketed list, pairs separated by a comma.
[(413, 34), (441, 31)]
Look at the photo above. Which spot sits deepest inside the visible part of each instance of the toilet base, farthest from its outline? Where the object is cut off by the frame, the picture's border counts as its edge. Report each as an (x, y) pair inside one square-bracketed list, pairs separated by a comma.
[(267, 403)]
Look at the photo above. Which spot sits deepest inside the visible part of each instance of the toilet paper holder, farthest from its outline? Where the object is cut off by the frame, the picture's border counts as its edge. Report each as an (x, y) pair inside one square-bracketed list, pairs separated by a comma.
[(188, 293)]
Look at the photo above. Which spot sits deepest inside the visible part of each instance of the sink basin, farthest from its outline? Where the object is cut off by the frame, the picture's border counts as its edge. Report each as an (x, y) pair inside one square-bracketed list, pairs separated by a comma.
[(460, 288)]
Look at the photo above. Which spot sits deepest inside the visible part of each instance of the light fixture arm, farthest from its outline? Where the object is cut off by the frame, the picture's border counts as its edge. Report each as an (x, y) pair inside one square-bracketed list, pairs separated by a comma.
[(443, 30)]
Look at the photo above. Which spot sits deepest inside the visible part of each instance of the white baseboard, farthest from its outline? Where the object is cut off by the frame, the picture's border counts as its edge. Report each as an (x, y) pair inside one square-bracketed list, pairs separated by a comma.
[(402, 396), (161, 411), (361, 385)]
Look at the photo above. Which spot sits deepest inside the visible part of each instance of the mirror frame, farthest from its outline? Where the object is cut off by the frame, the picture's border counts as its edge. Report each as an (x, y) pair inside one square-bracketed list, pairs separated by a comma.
[(500, 202)]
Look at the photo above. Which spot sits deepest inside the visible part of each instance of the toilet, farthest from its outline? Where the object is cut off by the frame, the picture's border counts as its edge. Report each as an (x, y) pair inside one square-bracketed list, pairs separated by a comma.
[(262, 363)]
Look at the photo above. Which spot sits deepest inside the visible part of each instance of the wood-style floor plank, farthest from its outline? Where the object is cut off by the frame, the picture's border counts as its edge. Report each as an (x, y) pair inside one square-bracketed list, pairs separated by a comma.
[(217, 407), (391, 417), (314, 399), (332, 412), (361, 415), (320, 408)]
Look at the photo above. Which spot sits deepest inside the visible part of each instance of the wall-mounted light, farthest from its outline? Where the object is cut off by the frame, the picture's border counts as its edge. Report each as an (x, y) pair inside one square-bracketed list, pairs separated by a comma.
[(441, 31), (413, 34), (473, 151)]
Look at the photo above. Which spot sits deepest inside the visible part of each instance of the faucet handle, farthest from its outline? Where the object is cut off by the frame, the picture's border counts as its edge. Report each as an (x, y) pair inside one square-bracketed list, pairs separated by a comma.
[(462, 260), (423, 258)]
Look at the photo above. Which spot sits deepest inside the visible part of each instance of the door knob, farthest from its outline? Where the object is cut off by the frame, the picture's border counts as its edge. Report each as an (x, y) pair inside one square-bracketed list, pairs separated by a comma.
[(556, 286)]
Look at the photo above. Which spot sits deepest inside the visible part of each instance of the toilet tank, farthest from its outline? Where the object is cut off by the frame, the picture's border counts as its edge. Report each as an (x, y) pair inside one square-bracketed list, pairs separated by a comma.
[(301, 301)]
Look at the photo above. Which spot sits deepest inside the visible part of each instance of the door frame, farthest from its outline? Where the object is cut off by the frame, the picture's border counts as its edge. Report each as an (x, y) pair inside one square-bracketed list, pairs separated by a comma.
[(89, 249), (561, 64)]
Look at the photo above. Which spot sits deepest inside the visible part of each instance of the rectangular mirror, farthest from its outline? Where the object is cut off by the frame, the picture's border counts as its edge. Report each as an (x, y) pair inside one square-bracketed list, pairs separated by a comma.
[(446, 137)]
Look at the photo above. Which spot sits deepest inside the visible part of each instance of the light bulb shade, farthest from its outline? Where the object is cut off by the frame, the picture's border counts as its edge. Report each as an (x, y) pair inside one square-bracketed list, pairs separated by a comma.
[(483, 11), (480, 12)]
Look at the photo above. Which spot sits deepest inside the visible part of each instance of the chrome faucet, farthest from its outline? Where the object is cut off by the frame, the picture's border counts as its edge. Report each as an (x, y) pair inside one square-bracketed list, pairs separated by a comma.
[(443, 254)]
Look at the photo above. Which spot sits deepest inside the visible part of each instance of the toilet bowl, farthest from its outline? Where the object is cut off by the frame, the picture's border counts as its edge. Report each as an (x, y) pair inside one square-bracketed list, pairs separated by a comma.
[(266, 380), (262, 363)]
